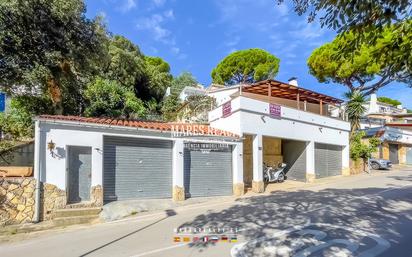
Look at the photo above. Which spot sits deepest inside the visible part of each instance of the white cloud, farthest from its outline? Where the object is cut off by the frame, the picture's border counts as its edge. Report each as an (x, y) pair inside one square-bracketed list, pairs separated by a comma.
[(158, 3), (175, 50), (169, 14), (305, 30), (233, 41), (154, 24), (127, 5)]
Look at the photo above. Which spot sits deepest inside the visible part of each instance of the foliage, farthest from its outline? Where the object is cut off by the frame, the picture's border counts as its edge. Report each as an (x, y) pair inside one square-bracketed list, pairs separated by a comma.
[(388, 100), (46, 45), (157, 80), (360, 150), (360, 70), (109, 98), (196, 108), (368, 20), (6, 149), (126, 63), (17, 121), (185, 79), (355, 109), (246, 66), (409, 111), (361, 14), (170, 106)]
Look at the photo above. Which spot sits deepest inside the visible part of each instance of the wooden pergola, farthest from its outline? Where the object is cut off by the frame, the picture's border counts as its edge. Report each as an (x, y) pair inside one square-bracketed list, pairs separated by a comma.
[(273, 88)]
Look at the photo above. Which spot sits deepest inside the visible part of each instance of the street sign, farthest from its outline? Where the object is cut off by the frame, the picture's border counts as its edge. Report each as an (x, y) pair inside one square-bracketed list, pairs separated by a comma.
[(2, 102)]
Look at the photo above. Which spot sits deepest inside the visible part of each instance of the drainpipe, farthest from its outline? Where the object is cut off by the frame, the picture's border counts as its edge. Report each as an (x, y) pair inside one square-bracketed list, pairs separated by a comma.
[(37, 166)]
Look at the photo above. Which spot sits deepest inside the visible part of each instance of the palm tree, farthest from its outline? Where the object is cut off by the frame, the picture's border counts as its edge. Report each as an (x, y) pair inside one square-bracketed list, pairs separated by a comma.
[(355, 108)]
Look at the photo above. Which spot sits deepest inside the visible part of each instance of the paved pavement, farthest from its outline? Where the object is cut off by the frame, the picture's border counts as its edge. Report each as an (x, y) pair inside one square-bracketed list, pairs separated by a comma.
[(365, 215)]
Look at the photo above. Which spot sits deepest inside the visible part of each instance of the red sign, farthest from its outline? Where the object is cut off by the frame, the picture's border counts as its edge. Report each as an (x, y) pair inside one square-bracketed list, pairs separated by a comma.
[(226, 109), (275, 111)]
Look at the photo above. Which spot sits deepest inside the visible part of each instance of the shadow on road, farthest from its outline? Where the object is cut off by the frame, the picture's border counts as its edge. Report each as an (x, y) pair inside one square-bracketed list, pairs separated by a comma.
[(169, 213), (365, 209)]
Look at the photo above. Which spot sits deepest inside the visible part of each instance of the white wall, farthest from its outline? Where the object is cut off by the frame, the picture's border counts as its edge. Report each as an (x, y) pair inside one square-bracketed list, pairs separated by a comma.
[(251, 117), (223, 96), (53, 169)]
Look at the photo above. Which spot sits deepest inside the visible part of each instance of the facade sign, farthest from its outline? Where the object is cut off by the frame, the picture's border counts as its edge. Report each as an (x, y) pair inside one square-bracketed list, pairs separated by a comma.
[(207, 147), (2, 102), (275, 111), (226, 109)]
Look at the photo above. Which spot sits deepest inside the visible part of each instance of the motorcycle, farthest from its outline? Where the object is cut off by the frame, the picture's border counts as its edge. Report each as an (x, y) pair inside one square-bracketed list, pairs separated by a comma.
[(271, 174)]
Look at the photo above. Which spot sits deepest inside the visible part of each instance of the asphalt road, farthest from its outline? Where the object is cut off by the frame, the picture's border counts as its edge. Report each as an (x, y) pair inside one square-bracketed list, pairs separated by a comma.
[(367, 215)]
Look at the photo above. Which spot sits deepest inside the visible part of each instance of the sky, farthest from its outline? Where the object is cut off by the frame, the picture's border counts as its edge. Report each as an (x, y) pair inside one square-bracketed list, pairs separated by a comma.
[(195, 35)]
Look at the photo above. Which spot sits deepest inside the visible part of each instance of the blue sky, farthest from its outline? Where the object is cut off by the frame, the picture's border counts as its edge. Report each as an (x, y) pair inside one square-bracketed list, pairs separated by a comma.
[(194, 35)]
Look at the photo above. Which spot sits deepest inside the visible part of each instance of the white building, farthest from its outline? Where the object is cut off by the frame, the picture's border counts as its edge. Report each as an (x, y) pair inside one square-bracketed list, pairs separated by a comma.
[(97, 160)]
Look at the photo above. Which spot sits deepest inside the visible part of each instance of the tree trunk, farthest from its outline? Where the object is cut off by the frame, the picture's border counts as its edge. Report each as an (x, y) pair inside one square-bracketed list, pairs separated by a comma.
[(55, 95)]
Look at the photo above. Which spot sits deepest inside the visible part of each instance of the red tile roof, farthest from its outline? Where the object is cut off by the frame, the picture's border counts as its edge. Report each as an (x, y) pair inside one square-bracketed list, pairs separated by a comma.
[(154, 125)]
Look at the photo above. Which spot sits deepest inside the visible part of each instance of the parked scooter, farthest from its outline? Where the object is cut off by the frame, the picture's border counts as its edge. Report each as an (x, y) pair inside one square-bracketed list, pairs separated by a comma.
[(271, 174)]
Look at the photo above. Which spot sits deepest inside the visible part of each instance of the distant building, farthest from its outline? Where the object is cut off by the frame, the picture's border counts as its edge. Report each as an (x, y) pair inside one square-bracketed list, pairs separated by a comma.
[(190, 91)]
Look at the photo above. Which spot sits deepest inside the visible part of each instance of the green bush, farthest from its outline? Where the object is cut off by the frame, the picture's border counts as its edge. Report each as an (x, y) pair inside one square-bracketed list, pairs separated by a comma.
[(360, 150)]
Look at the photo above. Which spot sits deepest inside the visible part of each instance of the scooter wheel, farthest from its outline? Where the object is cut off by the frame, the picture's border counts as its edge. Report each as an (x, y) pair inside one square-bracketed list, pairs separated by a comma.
[(281, 177)]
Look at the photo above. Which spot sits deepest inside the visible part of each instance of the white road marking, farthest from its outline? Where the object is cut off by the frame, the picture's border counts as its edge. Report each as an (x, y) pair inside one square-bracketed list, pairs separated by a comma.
[(158, 250), (381, 244), (281, 232)]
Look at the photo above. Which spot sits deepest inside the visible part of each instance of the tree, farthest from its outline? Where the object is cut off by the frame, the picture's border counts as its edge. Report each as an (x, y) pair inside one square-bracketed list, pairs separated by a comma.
[(361, 14), (170, 106), (359, 70), (361, 150), (246, 66), (157, 79), (185, 79), (355, 109), (46, 45), (388, 100), (109, 98), (367, 19), (126, 63)]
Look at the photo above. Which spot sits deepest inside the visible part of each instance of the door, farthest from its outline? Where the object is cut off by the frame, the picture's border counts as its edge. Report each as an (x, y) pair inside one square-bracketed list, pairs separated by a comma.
[(393, 153), (294, 155), (328, 160), (409, 155), (79, 173), (136, 168), (207, 169)]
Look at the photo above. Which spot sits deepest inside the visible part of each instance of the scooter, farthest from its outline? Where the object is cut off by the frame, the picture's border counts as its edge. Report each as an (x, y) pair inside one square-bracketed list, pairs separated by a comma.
[(271, 174)]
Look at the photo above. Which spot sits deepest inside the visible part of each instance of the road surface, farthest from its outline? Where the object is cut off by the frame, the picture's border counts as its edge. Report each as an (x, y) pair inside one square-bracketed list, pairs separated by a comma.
[(365, 215)]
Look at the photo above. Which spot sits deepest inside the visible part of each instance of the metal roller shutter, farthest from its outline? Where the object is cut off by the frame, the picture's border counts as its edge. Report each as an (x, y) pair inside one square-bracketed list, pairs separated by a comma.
[(208, 173), (294, 155), (408, 155), (328, 160), (136, 168), (393, 154)]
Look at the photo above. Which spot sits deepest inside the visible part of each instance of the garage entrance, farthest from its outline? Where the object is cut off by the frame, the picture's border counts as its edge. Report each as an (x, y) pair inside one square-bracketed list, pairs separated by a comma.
[(207, 169), (136, 168), (393, 154), (409, 155), (328, 160), (294, 155)]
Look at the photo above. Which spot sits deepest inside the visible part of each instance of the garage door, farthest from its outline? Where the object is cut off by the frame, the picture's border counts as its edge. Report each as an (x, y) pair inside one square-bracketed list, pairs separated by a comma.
[(409, 155), (393, 153), (328, 160), (136, 168), (207, 169), (294, 155)]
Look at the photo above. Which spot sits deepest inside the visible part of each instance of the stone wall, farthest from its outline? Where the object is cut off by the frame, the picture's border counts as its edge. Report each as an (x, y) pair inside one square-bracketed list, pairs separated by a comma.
[(17, 200), (356, 167), (52, 198)]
